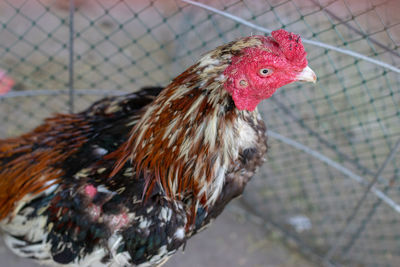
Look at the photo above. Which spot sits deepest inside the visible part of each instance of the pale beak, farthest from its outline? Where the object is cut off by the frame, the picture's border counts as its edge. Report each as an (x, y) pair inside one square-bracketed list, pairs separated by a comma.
[(307, 75)]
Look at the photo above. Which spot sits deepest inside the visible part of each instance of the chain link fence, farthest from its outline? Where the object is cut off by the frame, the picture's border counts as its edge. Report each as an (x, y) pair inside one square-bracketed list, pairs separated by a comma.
[(331, 183)]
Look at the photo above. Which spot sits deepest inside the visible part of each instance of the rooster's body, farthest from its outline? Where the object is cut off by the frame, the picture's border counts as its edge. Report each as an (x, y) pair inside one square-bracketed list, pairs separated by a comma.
[(129, 180)]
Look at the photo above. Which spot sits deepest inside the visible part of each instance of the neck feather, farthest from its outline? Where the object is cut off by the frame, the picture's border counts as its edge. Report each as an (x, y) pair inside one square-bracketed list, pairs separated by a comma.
[(185, 140)]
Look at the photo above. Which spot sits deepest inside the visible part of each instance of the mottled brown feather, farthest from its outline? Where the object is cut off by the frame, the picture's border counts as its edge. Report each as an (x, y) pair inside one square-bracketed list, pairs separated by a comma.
[(31, 163)]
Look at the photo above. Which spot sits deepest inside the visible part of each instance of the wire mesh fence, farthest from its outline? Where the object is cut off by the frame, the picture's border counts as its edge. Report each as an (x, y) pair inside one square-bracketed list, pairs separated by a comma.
[(332, 179)]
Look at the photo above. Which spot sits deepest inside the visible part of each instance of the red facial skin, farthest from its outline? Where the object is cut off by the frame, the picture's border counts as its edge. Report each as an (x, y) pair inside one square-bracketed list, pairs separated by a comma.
[(282, 54)]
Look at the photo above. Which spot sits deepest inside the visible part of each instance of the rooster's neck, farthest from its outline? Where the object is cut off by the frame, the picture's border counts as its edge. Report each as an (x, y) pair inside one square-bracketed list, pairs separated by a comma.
[(190, 136)]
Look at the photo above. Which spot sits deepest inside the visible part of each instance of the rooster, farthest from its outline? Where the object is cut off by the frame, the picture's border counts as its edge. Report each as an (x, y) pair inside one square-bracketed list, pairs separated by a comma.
[(128, 181)]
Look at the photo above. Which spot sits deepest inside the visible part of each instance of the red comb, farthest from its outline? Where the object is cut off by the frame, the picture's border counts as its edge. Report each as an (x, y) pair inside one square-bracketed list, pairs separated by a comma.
[(291, 46)]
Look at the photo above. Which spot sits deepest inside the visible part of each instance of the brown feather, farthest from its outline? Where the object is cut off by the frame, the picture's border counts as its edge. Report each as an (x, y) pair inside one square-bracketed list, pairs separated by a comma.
[(32, 170), (162, 146)]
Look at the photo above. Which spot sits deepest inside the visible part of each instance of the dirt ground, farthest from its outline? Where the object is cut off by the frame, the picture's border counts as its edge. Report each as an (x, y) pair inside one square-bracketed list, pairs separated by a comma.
[(231, 241)]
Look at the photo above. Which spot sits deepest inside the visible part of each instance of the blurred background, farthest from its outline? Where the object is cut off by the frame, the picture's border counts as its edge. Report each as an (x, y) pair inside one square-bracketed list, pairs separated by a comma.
[(329, 193)]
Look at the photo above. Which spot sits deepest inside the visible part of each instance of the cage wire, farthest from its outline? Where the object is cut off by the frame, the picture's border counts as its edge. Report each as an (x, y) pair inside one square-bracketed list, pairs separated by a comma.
[(331, 181)]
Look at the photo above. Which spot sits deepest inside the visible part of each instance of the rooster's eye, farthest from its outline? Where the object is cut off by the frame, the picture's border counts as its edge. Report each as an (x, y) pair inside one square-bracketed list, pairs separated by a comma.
[(265, 72)]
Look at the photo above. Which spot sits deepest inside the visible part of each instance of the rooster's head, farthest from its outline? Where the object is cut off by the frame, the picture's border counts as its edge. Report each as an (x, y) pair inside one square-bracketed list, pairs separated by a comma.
[(260, 65)]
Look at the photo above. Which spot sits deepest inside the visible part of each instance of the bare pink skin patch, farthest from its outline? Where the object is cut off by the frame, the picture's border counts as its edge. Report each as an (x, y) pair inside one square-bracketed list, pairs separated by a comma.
[(115, 222), (90, 191)]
